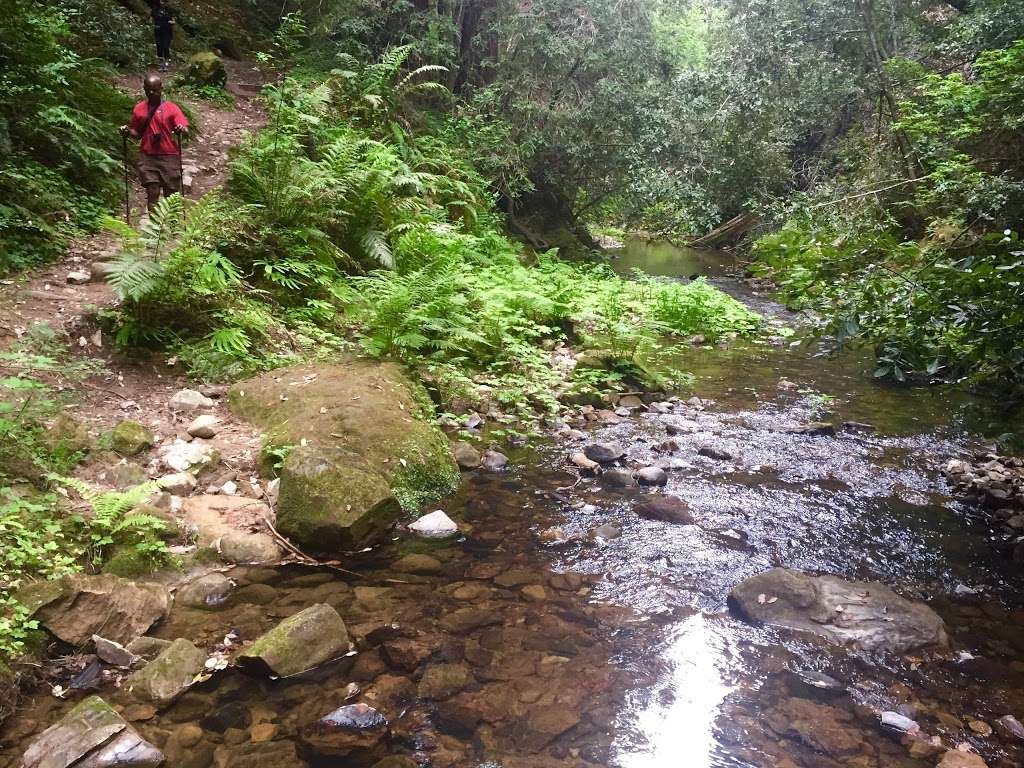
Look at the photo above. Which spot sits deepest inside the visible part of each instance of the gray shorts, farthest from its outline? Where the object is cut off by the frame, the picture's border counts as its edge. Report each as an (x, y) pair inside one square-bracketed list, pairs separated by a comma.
[(162, 170)]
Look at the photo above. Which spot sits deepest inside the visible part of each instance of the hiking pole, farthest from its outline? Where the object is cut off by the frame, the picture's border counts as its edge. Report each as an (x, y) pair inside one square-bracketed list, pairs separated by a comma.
[(124, 162), (181, 169)]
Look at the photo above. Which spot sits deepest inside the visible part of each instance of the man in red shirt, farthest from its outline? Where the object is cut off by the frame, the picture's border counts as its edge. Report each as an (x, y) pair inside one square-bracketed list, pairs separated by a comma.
[(155, 122)]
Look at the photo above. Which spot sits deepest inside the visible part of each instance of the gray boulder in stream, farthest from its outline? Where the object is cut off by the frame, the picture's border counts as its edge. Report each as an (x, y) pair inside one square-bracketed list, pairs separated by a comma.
[(299, 643), (92, 735), (861, 613)]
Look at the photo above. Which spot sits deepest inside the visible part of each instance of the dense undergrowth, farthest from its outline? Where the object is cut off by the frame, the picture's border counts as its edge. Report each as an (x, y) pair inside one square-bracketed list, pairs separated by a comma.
[(928, 270), (350, 220)]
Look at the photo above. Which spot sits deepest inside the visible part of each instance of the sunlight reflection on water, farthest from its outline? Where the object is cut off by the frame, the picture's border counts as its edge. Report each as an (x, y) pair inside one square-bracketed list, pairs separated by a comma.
[(682, 733)]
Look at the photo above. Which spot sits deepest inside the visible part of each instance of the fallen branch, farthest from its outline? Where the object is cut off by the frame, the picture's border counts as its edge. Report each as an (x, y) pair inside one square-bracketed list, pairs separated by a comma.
[(302, 556)]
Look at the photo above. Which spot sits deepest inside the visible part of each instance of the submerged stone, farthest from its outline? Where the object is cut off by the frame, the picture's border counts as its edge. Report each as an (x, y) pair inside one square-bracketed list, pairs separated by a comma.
[(300, 642), (866, 614), (355, 731)]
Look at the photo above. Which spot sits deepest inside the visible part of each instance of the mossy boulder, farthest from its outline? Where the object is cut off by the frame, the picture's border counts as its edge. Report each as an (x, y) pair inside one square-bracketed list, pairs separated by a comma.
[(299, 643), (205, 68), (169, 674), (366, 450), (130, 438), (67, 436)]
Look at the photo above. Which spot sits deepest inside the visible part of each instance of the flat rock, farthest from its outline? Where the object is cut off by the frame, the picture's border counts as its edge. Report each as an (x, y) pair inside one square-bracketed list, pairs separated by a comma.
[(300, 642), (189, 400), (866, 614), (169, 674), (204, 426), (587, 465), (606, 532), (466, 456), (652, 476), (77, 607), (436, 525), (417, 563), (114, 653), (669, 509), (442, 681), (814, 429), (148, 647), (215, 517), (92, 734), (465, 620), (604, 453), (78, 277)]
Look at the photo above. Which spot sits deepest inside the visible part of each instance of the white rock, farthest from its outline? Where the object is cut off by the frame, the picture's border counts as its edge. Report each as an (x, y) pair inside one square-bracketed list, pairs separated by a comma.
[(189, 400), (205, 426), (79, 277), (180, 456), (900, 722), (436, 525), (230, 488), (178, 484), (272, 488)]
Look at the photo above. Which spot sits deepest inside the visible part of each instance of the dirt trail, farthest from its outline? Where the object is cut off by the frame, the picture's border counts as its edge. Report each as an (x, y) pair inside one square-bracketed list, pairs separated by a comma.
[(127, 388)]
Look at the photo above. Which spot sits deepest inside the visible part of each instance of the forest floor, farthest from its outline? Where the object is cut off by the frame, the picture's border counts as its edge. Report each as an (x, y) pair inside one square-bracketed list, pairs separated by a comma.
[(45, 313)]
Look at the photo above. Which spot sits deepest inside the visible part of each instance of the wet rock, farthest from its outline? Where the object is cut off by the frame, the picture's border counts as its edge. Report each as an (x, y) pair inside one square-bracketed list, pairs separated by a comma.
[(129, 438), (633, 402), (178, 483), (534, 593), (442, 681), (956, 759), (77, 607), (369, 452), (249, 548), (270, 754), (814, 429), (91, 735), (652, 476), (866, 614), (543, 724), (899, 722), (196, 456), (587, 465), (300, 642), (396, 761), (436, 525), (417, 563), (406, 654), (234, 714), (606, 532), (809, 684), (1010, 728), (466, 456), (169, 674), (669, 509), (148, 647), (712, 452), (189, 400), (980, 727), (207, 592), (858, 427), (465, 620), (821, 727), (604, 453), (205, 426), (618, 478), (493, 461), (355, 731), (114, 653)]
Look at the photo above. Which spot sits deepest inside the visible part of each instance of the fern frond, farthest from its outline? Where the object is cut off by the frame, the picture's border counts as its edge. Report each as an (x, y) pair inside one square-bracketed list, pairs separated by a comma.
[(134, 277), (376, 246)]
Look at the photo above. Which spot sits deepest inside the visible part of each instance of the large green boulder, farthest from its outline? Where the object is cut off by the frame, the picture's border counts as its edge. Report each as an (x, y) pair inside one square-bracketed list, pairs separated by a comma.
[(205, 68), (362, 449), (169, 674), (299, 643)]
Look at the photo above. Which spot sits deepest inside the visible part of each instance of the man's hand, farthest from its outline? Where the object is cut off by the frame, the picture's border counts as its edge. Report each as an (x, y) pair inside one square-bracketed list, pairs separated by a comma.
[(126, 130), (180, 129)]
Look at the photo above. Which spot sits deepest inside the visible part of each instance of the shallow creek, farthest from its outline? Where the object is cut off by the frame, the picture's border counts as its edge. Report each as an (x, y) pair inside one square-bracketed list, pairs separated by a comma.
[(621, 652)]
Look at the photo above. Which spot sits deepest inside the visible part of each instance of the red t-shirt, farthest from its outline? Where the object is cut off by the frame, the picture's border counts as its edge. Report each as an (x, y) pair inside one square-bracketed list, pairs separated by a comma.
[(158, 138)]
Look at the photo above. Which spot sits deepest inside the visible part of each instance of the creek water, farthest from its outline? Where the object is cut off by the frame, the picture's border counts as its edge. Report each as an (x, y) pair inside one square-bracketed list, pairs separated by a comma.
[(559, 648)]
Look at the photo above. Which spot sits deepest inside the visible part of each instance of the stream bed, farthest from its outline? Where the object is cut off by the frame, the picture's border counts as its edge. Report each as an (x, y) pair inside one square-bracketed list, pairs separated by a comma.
[(531, 642)]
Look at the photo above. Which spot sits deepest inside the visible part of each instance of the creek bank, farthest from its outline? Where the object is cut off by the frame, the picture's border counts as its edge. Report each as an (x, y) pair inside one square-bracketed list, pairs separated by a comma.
[(995, 484), (360, 449)]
